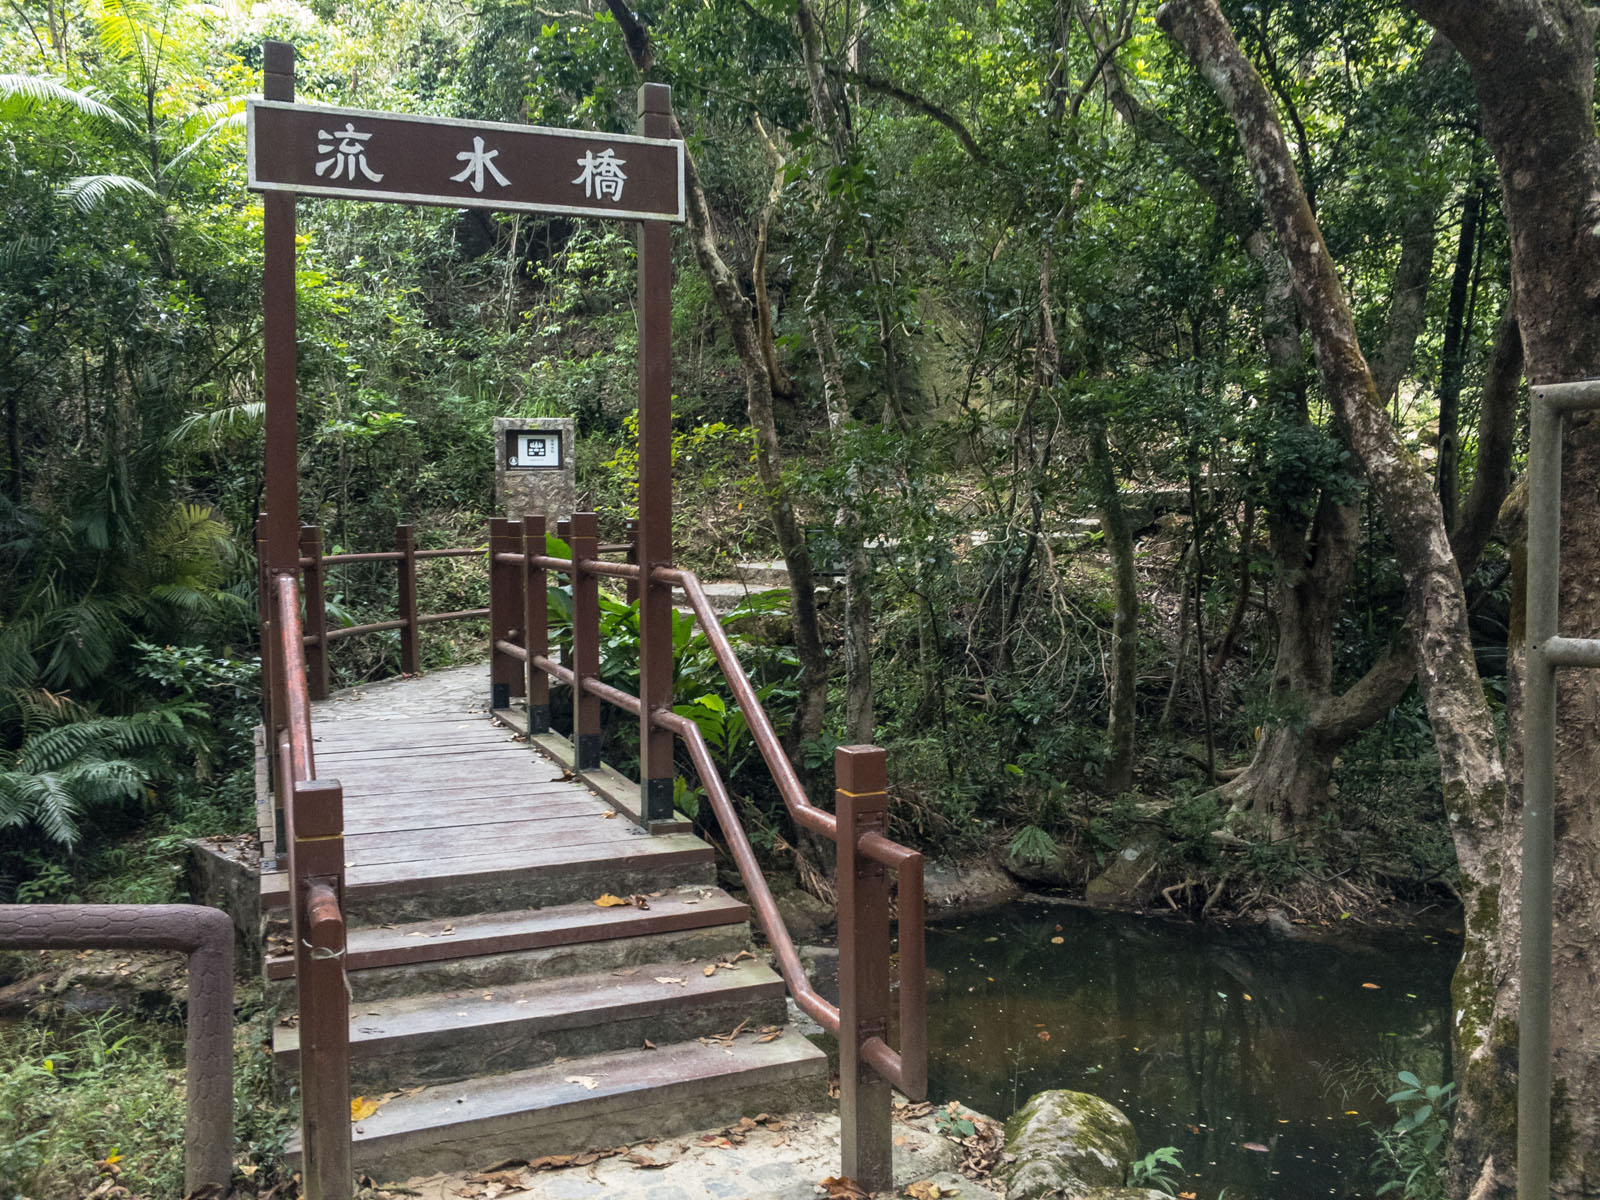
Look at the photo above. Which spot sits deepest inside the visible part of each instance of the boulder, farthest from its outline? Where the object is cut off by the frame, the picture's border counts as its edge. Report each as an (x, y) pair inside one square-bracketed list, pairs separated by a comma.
[(958, 889), (1051, 872), (1068, 1144), (806, 918), (1128, 880)]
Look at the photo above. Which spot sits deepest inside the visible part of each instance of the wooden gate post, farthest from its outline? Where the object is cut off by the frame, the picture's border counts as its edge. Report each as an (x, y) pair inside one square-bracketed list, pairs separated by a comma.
[(535, 622), (861, 803), (631, 533), (505, 611), (405, 541), (585, 543), (316, 598), (656, 768), (269, 675)]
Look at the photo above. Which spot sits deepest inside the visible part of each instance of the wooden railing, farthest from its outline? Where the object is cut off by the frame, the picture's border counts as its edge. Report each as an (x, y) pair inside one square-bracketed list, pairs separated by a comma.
[(405, 555), (313, 817), (519, 642)]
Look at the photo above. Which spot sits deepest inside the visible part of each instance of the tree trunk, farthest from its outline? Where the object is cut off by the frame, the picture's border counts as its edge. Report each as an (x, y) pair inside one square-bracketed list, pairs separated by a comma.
[(1472, 774), (1124, 621), (813, 683), (1533, 66), (1455, 347)]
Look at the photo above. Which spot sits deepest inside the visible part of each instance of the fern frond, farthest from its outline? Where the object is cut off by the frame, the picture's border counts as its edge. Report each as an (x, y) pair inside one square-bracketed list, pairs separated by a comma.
[(217, 423), (86, 192), (26, 92)]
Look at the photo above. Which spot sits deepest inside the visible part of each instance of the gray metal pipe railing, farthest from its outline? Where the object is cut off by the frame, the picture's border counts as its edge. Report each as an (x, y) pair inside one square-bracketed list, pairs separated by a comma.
[(206, 936)]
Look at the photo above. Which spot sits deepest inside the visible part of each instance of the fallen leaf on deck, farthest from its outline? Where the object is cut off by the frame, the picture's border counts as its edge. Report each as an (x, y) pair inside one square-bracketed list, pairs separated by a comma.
[(670, 979), (709, 971), (361, 1108), (649, 1045), (639, 900), (645, 1162), (926, 1189), (769, 1037), (610, 901), (587, 1081), (608, 814)]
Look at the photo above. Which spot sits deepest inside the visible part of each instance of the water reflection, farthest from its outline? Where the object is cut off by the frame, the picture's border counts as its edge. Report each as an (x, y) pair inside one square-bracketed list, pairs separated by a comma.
[(1258, 1057)]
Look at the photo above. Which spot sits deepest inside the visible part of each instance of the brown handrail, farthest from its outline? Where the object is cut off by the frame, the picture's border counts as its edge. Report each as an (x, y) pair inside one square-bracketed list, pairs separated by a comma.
[(297, 689), (906, 1069), (794, 795)]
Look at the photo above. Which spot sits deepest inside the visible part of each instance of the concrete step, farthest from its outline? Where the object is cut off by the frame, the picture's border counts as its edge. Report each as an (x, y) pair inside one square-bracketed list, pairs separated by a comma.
[(496, 949), (443, 1038), (490, 878), (761, 576), (600, 1100)]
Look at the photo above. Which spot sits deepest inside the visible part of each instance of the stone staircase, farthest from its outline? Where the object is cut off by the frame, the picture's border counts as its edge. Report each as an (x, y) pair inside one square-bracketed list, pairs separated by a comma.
[(498, 1012)]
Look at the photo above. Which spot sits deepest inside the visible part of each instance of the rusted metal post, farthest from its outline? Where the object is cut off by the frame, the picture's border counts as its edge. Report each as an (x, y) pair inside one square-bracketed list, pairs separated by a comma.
[(405, 542), (312, 572), (505, 611), (585, 543), (861, 804), (535, 622), (631, 535), (656, 768), (316, 859), (206, 936)]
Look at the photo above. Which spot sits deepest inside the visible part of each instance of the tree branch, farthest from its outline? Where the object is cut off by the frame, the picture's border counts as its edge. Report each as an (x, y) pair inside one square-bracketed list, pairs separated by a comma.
[(911, 100), (633, 34)]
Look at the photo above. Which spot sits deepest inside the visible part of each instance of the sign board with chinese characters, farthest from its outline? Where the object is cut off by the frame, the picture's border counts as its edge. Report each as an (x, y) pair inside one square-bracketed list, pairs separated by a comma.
[(314, 150), (533, 448)]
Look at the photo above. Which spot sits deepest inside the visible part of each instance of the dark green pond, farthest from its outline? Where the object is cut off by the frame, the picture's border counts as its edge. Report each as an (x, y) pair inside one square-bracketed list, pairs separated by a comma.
[(1258, 1057)]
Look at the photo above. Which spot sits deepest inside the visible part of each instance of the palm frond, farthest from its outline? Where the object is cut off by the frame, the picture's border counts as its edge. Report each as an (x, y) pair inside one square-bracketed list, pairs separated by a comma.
[(26, 92), (229, 115), (87, 192), (216, 423), (14, 252)]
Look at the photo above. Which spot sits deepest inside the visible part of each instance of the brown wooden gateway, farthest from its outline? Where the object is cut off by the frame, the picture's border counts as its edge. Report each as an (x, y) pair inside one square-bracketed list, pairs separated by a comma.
[(432, 853)]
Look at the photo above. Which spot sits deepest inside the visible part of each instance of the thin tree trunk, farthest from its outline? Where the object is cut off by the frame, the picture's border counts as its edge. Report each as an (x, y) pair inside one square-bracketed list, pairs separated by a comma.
[(735, 309), (1241, 603), (1455, 340), (1125, 619)]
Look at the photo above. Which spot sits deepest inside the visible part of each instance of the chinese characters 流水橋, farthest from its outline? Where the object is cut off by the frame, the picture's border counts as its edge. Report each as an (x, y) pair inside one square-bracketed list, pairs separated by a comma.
[(602, 176), (347, 153), (478, 161)]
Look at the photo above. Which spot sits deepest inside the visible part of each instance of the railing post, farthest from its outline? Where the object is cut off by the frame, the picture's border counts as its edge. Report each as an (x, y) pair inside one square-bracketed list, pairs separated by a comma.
[(564, 532), (505, 611), (631, 534), (317, 888), (535, 622), (861, 803), (269, 678), (405, 541), (656, 769), (585, 543), (316, 611)]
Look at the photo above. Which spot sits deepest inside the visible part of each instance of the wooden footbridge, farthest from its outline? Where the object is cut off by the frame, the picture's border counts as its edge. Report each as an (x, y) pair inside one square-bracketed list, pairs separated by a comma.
[(431, 865)]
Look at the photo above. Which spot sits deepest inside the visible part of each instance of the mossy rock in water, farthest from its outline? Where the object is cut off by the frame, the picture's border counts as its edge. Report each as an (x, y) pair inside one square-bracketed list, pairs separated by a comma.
[(1068, 1144)]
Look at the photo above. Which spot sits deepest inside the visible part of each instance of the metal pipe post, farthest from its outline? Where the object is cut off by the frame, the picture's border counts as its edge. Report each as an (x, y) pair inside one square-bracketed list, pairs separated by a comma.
[(585, 642), (1538, 799), (535, 622), (861, 803), (282, 466), (405, 544), (656, 768)]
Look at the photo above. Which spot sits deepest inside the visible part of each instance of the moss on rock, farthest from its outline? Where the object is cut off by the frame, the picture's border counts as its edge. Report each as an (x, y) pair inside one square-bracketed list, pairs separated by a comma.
[(1069, 1144)]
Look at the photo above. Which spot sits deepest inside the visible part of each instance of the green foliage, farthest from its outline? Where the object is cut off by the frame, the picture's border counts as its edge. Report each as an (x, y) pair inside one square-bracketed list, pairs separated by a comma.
[(1411, 1153), (1159, 1169), (1032, 844)]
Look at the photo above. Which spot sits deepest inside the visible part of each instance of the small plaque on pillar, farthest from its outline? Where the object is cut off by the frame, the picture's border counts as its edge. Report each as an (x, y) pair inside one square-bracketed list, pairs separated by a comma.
[(534, 468)]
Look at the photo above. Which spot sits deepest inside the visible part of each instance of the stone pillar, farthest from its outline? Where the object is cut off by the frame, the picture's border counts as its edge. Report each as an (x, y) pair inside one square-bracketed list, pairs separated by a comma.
[(533, 467)]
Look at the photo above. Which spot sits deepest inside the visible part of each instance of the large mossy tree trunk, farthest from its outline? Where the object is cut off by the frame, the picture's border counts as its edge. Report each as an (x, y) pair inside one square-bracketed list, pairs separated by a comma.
[(1533, 67), (1471, 770)]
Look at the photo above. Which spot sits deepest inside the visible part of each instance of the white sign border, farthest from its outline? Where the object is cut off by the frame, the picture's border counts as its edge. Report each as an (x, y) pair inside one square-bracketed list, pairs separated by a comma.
[(438, 200)]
